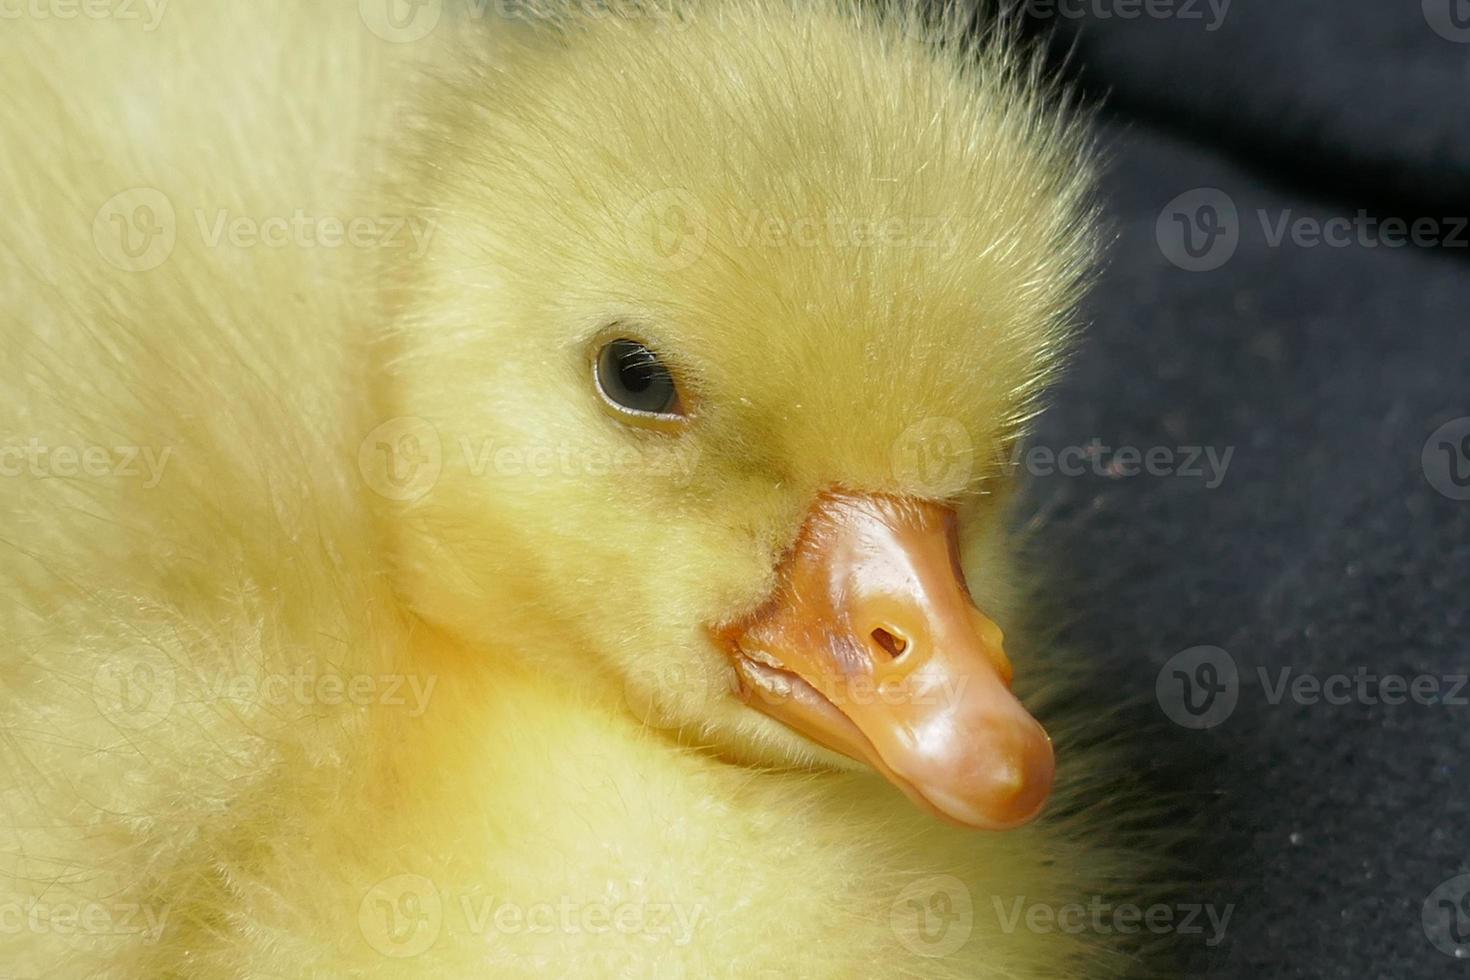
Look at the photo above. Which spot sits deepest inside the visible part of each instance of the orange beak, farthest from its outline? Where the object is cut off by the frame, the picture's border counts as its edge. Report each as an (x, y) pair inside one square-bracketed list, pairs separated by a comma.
[(871, 646)]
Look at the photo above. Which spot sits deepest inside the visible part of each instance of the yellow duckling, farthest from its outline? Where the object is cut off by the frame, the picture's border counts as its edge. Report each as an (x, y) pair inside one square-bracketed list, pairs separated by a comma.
[(491, 498)]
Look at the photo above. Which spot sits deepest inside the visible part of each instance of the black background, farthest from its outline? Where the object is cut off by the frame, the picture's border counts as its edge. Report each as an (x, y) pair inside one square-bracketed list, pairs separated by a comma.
[(1326, 367)]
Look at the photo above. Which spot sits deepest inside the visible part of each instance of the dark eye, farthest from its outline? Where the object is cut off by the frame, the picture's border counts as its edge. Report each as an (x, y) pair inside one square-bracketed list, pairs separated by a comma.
[(632, 378)]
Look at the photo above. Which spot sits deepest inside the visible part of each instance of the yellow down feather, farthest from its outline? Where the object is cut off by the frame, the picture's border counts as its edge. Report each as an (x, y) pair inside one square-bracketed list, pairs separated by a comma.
[(346, 636)]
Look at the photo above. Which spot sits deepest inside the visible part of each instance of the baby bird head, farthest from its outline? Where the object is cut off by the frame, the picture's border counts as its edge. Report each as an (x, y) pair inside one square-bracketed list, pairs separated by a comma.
[(728, 322)]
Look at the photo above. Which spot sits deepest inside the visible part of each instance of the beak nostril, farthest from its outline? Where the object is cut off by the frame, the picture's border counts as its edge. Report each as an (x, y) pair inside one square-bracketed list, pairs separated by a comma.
[(894, 644)]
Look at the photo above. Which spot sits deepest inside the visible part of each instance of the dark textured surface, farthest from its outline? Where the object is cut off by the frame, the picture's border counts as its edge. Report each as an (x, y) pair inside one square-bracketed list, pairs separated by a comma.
[(1325, 548), (1365, 97)]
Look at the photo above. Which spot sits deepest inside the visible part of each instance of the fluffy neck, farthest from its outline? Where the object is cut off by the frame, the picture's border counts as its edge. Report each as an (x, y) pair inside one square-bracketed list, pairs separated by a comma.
[(520, 827)]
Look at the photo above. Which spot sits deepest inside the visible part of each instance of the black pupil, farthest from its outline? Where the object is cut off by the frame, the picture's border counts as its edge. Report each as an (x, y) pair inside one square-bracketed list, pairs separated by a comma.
[(633, 377)]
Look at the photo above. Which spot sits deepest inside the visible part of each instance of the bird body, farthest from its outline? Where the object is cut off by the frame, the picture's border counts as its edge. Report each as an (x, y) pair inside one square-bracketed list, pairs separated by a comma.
[(351, 635)]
